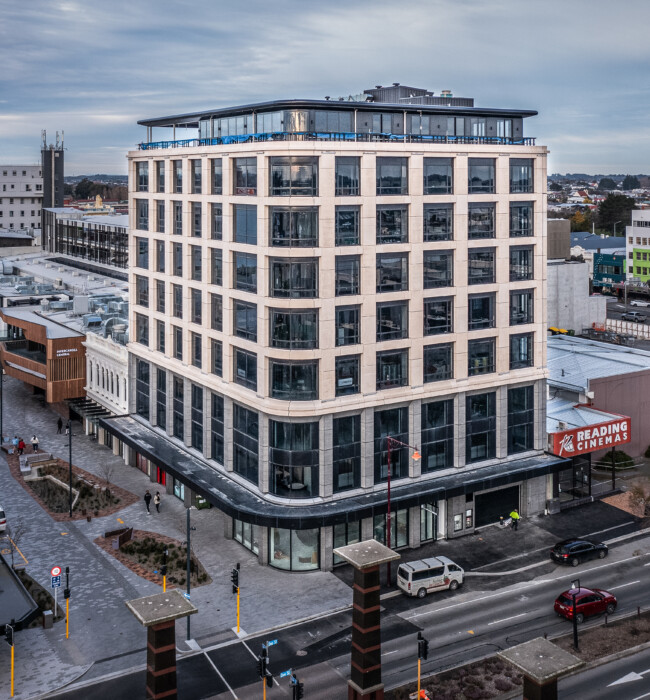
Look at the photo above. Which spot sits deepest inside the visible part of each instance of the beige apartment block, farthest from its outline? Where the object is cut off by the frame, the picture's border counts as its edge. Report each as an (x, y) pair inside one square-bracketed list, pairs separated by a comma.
[(302, 297)]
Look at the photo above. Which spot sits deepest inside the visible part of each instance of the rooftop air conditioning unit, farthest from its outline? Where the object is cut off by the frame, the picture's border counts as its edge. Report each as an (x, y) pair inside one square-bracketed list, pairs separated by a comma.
[(58, 282), (561, 425)]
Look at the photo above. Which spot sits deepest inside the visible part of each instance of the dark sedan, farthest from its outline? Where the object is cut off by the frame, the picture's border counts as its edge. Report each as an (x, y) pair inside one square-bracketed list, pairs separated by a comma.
[(589, 601), (575, 551)]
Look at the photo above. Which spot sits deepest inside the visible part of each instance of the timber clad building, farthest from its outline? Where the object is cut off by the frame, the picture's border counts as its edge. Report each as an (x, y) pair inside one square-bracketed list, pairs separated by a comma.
[(309, 278)]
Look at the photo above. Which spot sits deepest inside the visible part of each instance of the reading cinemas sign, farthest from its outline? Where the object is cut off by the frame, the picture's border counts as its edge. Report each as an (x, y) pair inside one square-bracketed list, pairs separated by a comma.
[(580, 441)]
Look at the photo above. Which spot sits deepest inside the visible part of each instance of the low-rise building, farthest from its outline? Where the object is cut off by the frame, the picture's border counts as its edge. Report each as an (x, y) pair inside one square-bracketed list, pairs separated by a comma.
[(637, 246), (21, 196)]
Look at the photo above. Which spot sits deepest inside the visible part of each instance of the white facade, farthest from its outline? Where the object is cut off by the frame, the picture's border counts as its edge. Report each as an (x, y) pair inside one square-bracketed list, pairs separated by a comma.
[(107, 373), (637, 245), (569, 304), (21, 196)]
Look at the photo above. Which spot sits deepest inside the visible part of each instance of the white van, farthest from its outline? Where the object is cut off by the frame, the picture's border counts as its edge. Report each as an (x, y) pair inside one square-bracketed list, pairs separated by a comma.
[(417, 578)]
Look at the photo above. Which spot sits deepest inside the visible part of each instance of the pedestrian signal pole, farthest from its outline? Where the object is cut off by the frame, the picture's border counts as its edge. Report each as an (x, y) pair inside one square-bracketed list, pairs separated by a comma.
[(66, 595), (9, 638), (163, 570), (297, 687), (263, 670), (234, 577), (423, 653)]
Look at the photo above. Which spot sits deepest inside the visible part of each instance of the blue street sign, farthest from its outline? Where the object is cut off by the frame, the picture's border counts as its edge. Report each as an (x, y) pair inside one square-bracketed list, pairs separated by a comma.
[(56, 582), (284, 674), (272, 643), (187, 595)]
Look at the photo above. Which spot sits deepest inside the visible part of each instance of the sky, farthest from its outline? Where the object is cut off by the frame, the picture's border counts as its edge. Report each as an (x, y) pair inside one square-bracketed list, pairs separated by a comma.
[(93, 69)]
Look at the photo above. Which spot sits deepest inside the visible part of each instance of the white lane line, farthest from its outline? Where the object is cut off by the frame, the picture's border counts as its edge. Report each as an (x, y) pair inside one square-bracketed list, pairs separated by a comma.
[(219, 674), (639, 697), (505, 619), (615, 588), (388, 653), (254, 655), (648, 564)]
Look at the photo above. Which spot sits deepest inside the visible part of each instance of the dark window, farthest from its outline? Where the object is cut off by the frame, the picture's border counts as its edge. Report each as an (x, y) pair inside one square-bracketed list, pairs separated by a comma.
[(178, 260), (177, 300), (178, 342), (521, 175), (197, 262), (392, 320), (246, 369), (521, 350), (142, 291), (392, 272), (217, 431), (142, 388), (197, 350), (295, 227), (143, 176), (294, 330), (521, 264), (195, 167), (178, 218), (178, 408), (438, 175), (245, 266), (178, 175), (346, 453), (481, 220), (197, 417), (245, 431), (160, 217), (437, 269), (294, 381), (348, 327), (392, 176), (293, 457), (161, 399), (196, 219), (160, 175), (216, 169), (481, 356), (437, 435), (438, 362), (438, 316), (160, 326), (160, 256), (481, 310), (393, 422), (216, 312), (216, 217), (142, 329), (245, 223), (294, 278), (347, 375), (216, 349), (294, 176), (245, 320), (521, 419), (347, 176), (245, 176), (481, 427), (197, 306), (438, 222), (142, 253), (392, 369), (481, 266), (142, 209), (521, 307), (521, 219), (347, 275), (480, 175), (346, 226), (216, 266), (392, 224)]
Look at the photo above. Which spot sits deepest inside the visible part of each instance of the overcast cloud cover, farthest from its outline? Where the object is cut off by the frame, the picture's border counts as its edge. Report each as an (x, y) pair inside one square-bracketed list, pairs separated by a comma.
[(92, 69)]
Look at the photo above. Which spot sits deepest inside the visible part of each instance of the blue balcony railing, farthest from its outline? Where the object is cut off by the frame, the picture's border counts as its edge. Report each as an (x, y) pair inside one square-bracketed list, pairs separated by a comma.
[(344, 136)]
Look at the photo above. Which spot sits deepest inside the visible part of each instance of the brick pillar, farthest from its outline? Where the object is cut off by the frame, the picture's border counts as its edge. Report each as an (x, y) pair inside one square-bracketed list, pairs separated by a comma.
[(365, 683), (161, 660)]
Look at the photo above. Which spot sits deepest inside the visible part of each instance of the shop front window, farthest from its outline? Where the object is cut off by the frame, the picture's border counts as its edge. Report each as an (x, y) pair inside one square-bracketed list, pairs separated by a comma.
[(294, 550), (344, 534), (399, 529), (247, 535)]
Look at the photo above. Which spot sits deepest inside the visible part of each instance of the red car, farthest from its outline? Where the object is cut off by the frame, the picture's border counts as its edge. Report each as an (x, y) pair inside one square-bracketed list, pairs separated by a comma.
[(589, 601)]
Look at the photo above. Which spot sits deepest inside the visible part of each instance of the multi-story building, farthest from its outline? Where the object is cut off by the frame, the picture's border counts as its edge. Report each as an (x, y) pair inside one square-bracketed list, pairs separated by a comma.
[(21, 196), (637, 246), (311, 278)]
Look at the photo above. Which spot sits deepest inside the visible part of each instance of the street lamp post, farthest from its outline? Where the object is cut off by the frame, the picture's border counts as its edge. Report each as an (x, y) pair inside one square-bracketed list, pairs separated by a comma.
[(575, 589), (390, 441), (615, 223), (189, 529), (69, 428)]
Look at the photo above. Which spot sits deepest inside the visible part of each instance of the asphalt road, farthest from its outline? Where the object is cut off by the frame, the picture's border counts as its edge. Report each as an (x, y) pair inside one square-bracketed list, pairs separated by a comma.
[(460, 627)]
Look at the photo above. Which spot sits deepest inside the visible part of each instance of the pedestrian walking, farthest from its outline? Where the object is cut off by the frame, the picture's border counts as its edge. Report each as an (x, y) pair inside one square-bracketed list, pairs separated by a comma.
[(21, 446), (15, 442), (156, 501), (147, 501), (514, 516), (59, 426), (67, 428), (34, 442)]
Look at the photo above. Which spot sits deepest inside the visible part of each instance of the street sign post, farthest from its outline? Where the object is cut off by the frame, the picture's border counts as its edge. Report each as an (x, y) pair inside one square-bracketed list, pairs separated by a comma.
[(56, 571), (56, 584)]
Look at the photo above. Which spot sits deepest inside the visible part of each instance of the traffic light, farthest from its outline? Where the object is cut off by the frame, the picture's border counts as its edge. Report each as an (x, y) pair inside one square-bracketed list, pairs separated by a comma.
[(423, 647), (261, 666), (66, 593), (9, 635), (234, 577), (298, 691), (269, 679), (163, 570)]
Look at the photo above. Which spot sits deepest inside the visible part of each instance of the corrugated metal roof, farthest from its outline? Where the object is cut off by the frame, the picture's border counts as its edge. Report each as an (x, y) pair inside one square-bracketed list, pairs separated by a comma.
[(565, 411)]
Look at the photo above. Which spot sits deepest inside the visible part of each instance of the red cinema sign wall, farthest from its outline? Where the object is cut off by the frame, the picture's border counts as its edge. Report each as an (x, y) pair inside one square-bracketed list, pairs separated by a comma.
[(580, 441)]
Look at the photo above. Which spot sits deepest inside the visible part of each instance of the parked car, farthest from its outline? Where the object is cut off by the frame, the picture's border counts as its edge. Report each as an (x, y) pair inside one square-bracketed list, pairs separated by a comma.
[(574, 551), (417, 578), (589, 601), (639, 302), (3, 520), (635, 316)]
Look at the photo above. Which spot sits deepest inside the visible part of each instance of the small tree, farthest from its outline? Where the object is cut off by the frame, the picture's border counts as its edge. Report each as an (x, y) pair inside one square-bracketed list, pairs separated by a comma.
[(631, 182), (607, 184), (18, 531), (106, 470)]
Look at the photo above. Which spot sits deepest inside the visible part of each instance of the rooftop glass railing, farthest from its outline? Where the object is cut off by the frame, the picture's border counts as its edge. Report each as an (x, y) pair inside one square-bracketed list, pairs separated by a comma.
[(344, 136)]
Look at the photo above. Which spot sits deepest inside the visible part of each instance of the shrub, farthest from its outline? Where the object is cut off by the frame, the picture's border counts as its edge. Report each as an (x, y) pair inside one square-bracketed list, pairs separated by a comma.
[(622, 459), (502, 685)]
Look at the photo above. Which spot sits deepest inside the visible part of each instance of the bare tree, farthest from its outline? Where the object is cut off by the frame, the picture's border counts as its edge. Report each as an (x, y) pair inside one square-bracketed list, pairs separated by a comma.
[(18, 531), (106, 471)]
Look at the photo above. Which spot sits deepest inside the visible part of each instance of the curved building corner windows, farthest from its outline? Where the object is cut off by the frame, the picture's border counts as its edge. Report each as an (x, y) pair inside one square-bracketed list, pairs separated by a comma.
[(293, 459), (294, 381)]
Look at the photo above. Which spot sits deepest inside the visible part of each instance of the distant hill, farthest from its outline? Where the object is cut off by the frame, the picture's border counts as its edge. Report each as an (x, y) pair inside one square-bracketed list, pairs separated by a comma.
[(106, 179), (585, 176)]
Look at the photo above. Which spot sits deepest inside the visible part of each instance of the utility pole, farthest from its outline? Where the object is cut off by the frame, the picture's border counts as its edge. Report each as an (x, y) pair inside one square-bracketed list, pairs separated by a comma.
[(69, 427)]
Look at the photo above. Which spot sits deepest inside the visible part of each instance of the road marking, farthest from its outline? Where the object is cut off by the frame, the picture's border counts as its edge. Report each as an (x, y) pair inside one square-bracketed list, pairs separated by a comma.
[(639, 697), (505, 619), (648, 564), (623, 585), (19, 552), (64, 533), (119, 520), (388, 653), (470, 631), (219, 674)]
